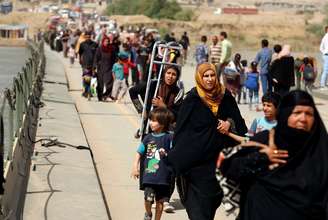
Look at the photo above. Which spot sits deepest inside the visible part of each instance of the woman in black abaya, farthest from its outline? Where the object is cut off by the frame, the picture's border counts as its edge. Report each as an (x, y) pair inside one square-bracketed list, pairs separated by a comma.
[(207, 110), (297, 189)]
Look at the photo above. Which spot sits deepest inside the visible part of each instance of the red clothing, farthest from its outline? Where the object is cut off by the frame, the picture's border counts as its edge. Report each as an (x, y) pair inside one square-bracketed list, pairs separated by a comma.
[(126, 66)]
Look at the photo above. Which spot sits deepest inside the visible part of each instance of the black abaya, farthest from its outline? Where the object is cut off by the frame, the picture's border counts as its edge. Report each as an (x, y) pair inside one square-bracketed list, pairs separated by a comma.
[(196, 146), (297, 190)]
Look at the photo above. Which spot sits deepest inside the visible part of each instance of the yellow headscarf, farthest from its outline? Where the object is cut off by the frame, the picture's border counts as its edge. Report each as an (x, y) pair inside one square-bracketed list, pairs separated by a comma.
[(211, 98)]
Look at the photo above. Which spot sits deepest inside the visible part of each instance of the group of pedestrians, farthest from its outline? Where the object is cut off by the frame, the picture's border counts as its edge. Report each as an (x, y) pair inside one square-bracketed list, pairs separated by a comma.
[(279, 163), (270, 70), (189, 138), (272, 164)]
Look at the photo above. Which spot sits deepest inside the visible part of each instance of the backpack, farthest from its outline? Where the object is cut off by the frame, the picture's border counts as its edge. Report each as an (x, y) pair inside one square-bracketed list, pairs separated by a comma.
[(308, 72)]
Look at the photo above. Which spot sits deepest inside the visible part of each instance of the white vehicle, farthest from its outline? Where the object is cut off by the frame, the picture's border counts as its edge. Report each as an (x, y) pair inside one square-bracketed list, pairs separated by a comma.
[(218, 11), (64, 13), (53, 8)]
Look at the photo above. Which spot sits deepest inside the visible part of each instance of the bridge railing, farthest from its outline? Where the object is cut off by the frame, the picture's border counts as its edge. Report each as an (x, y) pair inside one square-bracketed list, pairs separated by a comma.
[(19, 107)]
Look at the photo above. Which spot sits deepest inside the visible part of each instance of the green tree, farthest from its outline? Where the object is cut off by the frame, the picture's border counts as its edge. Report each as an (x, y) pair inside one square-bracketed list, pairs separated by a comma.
[(169, 9)]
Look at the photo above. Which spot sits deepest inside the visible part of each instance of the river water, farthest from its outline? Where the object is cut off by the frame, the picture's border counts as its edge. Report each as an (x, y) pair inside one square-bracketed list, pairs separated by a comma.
[(12, 59)]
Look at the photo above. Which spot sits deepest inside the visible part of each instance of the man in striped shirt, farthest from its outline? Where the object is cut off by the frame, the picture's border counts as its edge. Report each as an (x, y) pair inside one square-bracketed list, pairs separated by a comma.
[(215, 52)]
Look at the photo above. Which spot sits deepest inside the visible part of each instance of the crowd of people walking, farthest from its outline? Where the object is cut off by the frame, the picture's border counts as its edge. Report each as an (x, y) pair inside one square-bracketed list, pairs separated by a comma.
[(279, 163)]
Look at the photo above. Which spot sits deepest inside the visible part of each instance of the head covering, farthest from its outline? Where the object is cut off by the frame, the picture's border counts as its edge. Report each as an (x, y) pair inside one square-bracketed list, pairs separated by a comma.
[(301, 184), (169, 92), (211, 98), (292, 139), (106, 48), (285, 52)]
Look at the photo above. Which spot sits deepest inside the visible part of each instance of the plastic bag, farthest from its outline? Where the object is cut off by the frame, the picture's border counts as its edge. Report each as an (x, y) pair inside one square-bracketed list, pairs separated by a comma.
[(94, 86)]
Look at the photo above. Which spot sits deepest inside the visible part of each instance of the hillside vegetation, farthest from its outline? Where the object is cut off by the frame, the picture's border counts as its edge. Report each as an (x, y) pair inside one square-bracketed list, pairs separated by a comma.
[(154, 9)]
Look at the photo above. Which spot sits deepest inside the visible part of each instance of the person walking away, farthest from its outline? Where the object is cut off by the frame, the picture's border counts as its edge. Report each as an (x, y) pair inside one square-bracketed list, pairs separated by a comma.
[(309, 74), (215, 52), (104, 60), (64, 39), (119, 87), (283, 71), (149, 165), (324, 51), (252, 84), (71, 55), (263, 57), (242, 89), (226, 50), (270, 103), (207, 110), (276, 50), (185, 45), (202, 51)]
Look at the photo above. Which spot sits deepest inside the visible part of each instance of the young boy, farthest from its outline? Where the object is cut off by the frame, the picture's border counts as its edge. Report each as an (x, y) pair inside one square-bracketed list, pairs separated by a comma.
[(119, 86), (86, 80), (270, 102), (156, 177)]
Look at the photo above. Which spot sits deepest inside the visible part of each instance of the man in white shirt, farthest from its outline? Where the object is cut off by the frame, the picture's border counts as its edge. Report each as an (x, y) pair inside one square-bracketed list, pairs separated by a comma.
[(324, 51)]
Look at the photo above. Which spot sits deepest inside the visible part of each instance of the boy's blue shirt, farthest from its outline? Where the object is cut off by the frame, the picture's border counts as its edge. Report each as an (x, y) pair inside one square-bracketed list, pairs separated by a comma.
[(261, 124), (118, 71)]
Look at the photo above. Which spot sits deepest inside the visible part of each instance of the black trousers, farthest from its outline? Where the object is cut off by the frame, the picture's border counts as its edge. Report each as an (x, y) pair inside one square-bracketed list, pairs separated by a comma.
[(281, 90), (104, 80), (199, 206), (137, 90)]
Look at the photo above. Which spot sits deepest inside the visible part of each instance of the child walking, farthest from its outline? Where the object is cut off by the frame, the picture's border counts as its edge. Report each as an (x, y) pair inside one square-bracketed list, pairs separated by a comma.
[(86, 81), (119, 86), (242, 90), (71, 55), (252, 84), (155, 177)]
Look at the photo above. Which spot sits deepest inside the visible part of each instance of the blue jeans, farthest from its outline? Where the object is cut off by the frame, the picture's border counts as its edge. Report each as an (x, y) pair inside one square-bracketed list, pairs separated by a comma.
[(253, 93), (264, 82), (324, 74)]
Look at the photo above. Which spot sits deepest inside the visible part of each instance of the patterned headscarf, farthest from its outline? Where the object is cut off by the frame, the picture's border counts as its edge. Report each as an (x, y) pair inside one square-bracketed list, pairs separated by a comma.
[(211, 98)]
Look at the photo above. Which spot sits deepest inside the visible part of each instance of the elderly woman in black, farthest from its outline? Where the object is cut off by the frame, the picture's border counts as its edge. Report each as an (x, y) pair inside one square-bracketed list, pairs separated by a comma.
[(207, 111), (297, 189)]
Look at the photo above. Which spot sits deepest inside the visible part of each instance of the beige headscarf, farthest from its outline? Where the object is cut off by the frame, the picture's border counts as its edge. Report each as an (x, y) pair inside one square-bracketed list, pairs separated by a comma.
[(211, 98), (285, 52)]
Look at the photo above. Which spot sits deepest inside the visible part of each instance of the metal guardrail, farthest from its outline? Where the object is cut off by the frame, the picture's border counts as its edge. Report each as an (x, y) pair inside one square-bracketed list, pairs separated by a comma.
[(18, 122)]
